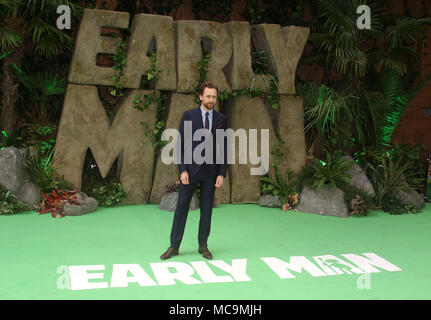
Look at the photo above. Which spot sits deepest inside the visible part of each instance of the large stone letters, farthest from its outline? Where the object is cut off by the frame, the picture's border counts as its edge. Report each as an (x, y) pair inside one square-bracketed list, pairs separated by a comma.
[(243, 113), (89, 43), (189, 53), (239, 70), (284, 47), (84, 123), (144, 28)]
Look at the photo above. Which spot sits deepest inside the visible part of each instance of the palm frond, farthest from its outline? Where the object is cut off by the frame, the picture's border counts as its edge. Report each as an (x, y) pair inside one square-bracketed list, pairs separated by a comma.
[(324, 105), (9, 39), (405, 30)]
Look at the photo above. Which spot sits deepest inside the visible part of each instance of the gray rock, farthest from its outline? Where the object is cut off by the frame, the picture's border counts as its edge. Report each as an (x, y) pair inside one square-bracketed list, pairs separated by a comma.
[(326, 201), (270, 201), (88, 205), (358, 178), (13, 177), (12, 174), (29, 194), (412, 197), (169, 202)]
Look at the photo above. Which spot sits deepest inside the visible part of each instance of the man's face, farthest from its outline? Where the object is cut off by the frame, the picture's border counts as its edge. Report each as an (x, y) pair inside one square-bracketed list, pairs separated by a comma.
[(209, 98)]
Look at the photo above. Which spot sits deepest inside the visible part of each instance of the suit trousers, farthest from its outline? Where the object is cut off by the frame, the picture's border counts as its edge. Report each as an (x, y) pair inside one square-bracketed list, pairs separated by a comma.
[(207, 179)]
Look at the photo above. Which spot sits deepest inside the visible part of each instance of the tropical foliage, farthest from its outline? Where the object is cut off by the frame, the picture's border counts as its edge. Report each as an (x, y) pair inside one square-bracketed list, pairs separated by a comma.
[(39, 170), (107, 193), (26, 28), (9, 204), (371, 76)]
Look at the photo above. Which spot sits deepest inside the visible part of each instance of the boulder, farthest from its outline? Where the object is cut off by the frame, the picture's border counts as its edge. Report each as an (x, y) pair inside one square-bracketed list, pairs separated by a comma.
[(29, 194), (88, 205), (13, 177), (358, 178), (169, 202), (270, 201), (412, 197), (326, 201)]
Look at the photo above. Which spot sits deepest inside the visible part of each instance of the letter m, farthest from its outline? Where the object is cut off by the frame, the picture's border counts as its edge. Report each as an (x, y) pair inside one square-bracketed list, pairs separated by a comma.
[(84, 124)]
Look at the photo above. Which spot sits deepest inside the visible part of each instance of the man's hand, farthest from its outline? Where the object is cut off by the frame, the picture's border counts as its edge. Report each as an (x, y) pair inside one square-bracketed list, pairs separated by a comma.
[(184, 177), (219, 181)]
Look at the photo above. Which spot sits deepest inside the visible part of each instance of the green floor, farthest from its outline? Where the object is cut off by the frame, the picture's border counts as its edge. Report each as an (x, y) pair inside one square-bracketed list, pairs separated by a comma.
[(37, 249)]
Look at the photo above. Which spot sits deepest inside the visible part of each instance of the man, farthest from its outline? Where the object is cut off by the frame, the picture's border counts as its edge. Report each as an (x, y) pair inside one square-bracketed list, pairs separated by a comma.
[(209, 175)]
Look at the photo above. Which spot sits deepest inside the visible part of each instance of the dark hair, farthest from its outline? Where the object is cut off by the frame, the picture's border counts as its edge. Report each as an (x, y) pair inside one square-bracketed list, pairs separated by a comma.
[(207, 84)]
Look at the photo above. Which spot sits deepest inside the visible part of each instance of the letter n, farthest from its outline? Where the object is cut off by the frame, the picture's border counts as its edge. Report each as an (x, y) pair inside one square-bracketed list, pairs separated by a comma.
[(84, 124)]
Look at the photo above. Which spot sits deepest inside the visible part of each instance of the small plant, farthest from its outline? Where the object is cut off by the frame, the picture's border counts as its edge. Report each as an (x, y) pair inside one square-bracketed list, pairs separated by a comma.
[(107, 193), (357, 201), (390, 176), (119, 64), (332, 172), (10, 140), (282, 186), (9, 204), (290, 202), (54, 202), (159, 99), (394, 205), (37, 136), (39, 170)]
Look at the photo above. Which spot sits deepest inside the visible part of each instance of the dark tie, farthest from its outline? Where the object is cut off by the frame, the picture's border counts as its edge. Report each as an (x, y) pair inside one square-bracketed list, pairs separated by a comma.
[(207, 121)]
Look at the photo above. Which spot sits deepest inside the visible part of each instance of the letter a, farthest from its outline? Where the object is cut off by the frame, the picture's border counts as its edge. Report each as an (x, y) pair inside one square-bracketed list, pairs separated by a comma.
[(364, 20), (63, 21)]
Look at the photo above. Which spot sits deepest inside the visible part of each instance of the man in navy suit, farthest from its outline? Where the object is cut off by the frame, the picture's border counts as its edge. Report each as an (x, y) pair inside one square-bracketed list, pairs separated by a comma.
[(209, 174)]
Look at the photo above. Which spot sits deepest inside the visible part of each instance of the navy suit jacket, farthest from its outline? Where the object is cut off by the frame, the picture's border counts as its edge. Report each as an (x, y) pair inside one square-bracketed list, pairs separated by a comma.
[(219, 121)]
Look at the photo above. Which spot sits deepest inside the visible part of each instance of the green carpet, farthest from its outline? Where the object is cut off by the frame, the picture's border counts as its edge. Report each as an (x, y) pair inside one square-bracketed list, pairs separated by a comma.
[(37, 250)]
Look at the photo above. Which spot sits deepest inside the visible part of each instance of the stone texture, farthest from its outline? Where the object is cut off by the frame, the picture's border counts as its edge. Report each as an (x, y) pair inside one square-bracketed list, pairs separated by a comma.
[(88, 205), (89, 43), (242, 114), (13, 177), (11, 169), (169, 202), (270, 201), (412, 197), (358, 178), (29, 193), (144, 28), (239, 70), (284, 47), (166, 174), (326, 201), (189, 53), (291, 126), (84, 124)]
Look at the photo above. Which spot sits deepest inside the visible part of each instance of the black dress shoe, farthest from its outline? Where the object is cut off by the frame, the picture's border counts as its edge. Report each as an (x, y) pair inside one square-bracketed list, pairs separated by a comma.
[(205, 252), (169, 253)]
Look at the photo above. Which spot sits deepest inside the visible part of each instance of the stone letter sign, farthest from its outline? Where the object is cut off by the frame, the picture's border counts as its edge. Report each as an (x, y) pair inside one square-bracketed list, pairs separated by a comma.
[(85, 125)]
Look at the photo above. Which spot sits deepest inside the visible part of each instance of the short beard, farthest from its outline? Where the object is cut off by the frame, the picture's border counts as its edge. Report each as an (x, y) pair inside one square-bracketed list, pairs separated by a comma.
[(209, 106)]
